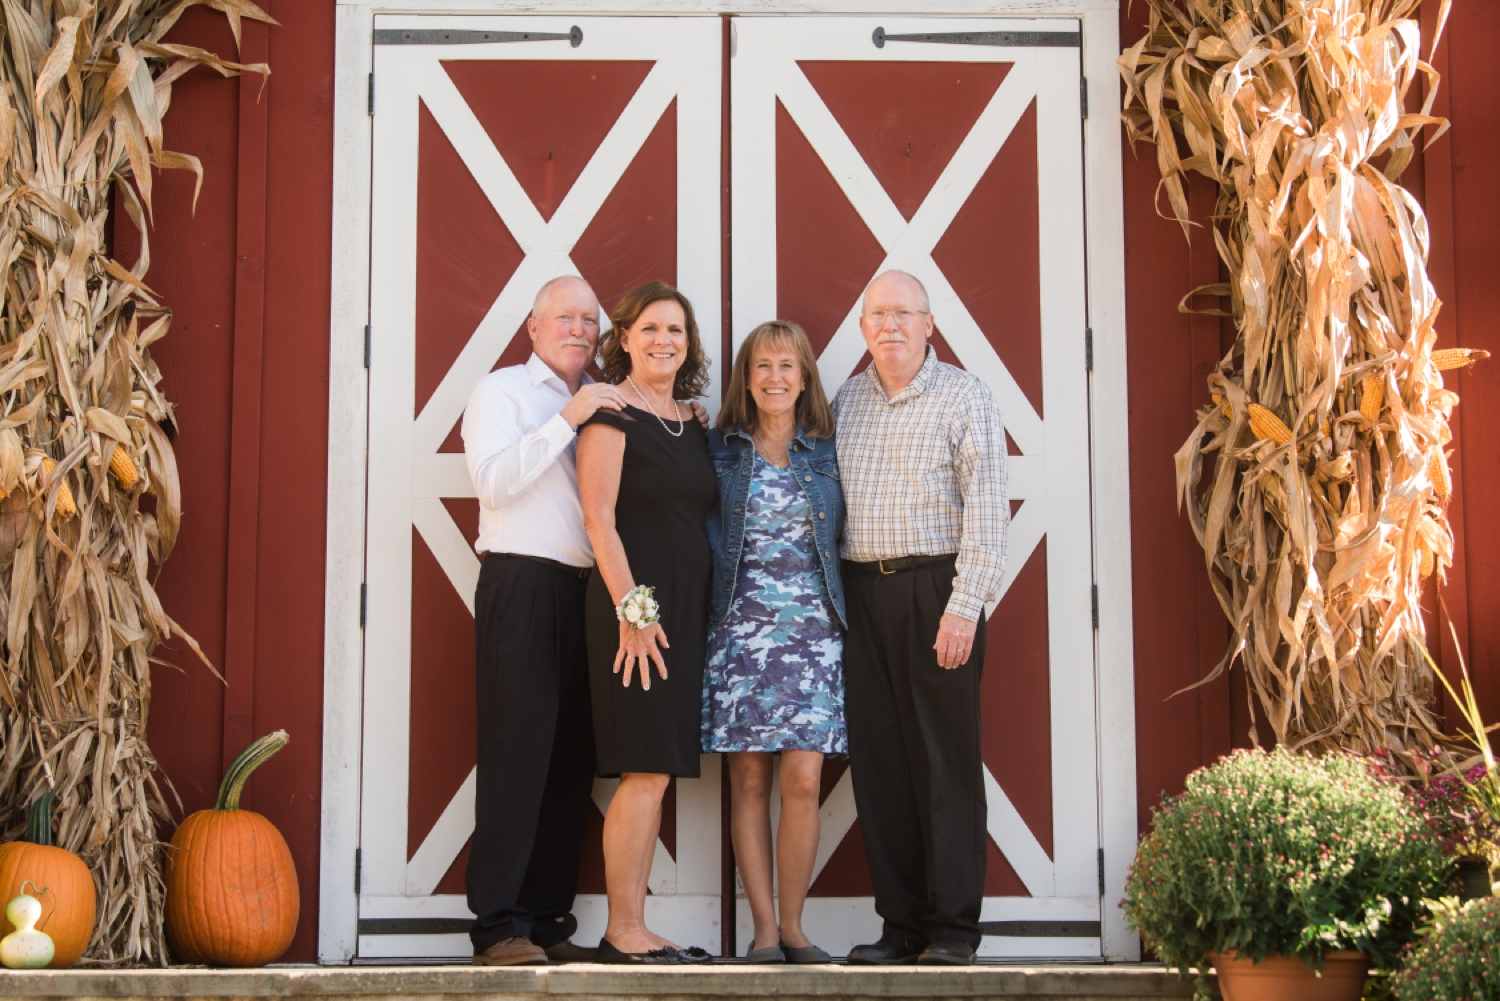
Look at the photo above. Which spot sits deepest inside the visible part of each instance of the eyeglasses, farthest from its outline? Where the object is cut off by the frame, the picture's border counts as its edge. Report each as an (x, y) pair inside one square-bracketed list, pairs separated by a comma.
[(903, 317)]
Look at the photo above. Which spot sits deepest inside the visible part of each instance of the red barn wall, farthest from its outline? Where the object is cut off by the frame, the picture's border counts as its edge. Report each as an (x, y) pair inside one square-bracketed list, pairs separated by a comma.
[(247, 363)]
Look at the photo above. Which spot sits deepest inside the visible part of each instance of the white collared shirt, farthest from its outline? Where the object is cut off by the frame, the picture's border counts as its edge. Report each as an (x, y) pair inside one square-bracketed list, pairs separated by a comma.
[(520, 453)]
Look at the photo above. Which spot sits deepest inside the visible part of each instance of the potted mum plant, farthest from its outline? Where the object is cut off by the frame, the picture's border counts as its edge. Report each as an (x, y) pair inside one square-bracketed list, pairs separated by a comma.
[(1287, 874), (1479, 778), (1465, 832), (1458, 956)]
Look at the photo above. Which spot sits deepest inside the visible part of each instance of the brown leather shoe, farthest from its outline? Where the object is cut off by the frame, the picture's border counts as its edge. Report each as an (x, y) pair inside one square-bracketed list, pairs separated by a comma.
[(567, 951), (514, 951)]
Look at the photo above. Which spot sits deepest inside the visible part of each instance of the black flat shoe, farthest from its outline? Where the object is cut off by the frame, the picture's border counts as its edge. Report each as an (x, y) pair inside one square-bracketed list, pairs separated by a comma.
[(656, 957), (693, 956), (886, 952), (805, 955), (947, 954)]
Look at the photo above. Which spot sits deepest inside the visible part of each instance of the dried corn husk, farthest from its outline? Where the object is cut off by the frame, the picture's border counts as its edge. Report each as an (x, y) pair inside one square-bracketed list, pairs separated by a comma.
[(1316, 547), (83, 88)]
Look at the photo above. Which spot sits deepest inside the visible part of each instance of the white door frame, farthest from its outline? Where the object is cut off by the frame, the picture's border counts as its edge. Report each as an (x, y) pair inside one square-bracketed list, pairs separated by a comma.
[(348, 410)]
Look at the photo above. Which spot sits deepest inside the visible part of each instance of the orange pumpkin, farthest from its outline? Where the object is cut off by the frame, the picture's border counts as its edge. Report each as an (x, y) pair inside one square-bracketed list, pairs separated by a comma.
[(231, 884), (62, 883)]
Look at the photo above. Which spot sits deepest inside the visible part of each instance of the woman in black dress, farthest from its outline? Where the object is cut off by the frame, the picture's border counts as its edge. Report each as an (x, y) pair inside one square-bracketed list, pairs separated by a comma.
[(647, 484)]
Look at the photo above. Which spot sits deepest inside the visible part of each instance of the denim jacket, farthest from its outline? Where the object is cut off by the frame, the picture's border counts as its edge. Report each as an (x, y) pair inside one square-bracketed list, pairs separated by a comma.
[(817, 470)]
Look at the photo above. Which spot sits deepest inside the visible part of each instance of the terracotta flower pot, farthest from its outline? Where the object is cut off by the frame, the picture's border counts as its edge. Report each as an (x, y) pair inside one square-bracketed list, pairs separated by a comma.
[(1281, 978)]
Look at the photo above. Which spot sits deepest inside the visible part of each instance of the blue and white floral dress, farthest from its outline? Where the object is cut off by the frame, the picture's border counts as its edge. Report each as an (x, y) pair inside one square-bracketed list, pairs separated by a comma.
[(775, 679)]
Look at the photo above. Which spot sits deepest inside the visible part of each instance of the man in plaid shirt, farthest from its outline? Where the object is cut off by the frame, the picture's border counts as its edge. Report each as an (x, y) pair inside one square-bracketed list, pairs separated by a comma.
[(922, 462)]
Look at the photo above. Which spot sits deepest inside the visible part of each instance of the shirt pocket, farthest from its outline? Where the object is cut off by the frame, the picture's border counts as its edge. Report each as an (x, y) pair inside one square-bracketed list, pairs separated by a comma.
[(831, 489)]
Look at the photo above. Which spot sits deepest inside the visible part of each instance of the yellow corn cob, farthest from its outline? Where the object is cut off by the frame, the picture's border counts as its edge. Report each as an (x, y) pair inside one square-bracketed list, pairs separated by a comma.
[(1372, 396), (123, 467), (1227, 410), (1437, 472), (1428, 562), (65, 505), (1450, 358), (1267, 425)]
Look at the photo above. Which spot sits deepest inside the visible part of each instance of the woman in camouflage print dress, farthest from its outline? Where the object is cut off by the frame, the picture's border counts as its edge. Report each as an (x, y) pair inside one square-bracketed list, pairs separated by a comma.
[(774, 680)]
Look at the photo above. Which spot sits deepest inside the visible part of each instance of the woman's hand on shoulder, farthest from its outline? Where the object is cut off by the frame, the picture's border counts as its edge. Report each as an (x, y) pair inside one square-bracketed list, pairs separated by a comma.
[(699, 413), (638, 649)]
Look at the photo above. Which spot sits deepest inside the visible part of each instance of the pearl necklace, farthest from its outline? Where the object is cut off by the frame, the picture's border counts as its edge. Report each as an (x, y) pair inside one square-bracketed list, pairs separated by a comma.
[(681, 424)]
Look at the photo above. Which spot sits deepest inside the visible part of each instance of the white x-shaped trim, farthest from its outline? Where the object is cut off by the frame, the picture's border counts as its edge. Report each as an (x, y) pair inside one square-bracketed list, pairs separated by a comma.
[(908, 245), (770, 74), (546, 243), (413, 477)]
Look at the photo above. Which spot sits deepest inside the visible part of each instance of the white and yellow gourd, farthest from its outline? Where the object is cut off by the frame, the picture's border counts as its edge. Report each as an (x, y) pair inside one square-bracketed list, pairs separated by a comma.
[(25, 948)]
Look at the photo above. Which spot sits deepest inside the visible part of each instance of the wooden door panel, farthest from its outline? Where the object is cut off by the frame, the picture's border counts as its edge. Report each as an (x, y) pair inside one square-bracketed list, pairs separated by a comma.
[(496, 167), (950, 161)]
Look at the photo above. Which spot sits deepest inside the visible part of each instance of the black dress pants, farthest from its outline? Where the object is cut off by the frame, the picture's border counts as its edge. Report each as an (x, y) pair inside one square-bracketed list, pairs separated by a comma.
[(914, 753), (535, 751)]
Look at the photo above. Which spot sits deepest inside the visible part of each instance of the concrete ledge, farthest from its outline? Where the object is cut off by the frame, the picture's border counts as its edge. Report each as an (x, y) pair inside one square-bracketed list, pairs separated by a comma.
[(726, 982)]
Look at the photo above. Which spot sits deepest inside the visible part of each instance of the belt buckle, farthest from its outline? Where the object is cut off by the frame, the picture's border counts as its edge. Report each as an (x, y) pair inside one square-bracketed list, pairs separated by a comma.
[(883, 570)]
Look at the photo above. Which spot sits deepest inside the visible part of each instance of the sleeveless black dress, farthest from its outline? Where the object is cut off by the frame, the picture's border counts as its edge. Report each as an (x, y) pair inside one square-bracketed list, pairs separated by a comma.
[(667, 485)]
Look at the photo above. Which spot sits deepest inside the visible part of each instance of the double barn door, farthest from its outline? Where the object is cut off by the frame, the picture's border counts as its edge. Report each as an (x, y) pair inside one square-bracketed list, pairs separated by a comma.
[(770, 167)]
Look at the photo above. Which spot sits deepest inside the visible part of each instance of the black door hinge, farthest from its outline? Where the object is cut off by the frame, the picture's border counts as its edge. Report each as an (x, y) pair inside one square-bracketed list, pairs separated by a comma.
[(372, 93), (1094, 592), (357, 867), (364, 591), (367, 347), (1101, 872), (1088, 349), (1083, 97)]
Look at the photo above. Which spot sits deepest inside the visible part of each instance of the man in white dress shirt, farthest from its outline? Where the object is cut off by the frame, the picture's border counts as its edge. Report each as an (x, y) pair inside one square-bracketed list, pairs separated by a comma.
[(535, 762)]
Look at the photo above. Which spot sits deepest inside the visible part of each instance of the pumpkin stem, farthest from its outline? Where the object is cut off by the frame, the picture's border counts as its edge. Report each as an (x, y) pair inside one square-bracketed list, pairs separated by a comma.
[(249, 760), (39, 822)]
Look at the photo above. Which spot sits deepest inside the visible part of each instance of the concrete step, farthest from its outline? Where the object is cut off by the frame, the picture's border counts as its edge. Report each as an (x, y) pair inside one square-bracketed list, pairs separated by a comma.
[(720, 982)]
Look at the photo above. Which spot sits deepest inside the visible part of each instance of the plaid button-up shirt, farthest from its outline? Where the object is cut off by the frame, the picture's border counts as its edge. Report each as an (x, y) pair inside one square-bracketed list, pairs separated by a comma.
[(924, 475)]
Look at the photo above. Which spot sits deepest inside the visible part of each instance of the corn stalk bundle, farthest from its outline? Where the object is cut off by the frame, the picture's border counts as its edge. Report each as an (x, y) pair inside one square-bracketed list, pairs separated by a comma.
[(1326, 506), (84, 436)]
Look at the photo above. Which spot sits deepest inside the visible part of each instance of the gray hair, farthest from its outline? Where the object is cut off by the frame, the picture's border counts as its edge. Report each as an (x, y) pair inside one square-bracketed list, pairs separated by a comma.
[(926, 300), (546, 289)]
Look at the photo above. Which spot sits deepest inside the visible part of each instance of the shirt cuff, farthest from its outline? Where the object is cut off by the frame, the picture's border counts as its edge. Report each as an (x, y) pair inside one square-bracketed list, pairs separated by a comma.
[(965, 606), (557, 432)]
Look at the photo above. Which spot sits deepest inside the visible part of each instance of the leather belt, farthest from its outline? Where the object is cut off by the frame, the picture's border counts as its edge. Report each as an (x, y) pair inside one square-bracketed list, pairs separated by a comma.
[(900, 563), (566, 568)]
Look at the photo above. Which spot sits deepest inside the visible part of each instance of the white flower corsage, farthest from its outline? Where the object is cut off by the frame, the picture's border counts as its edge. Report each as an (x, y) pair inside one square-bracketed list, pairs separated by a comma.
[(638, 608)]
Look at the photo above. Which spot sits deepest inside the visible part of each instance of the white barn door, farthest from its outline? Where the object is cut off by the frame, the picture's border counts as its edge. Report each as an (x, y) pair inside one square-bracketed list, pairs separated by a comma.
[(506, 151), (952, 149)]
